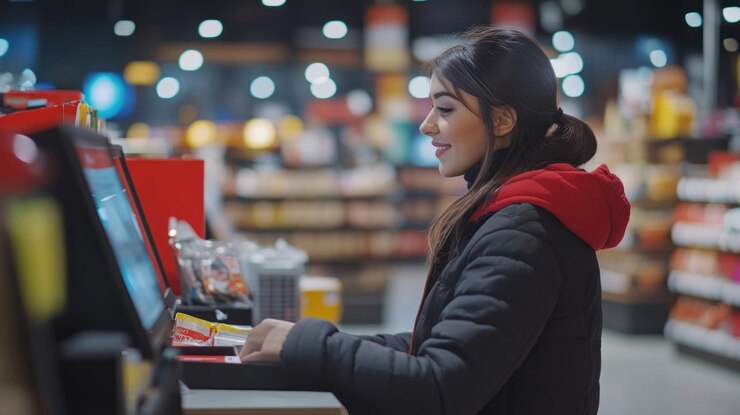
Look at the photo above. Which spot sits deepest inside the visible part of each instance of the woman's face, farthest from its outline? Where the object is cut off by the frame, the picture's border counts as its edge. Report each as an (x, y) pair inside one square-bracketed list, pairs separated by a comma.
[(456, 131)]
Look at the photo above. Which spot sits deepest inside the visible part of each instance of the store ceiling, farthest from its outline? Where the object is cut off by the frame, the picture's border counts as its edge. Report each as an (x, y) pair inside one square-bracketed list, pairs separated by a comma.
[(251, 20), (75, 37)]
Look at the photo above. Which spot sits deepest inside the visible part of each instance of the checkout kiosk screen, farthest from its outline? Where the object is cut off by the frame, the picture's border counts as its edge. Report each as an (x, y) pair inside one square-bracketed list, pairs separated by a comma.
[(124, 234)]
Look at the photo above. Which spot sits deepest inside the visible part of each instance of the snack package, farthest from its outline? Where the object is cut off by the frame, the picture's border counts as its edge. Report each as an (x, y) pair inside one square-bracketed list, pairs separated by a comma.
[(192, 331), (210, 271), (222, 278)]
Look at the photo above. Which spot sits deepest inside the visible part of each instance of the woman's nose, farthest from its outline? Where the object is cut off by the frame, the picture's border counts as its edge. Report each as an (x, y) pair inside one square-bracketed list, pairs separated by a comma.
[(428, 126)]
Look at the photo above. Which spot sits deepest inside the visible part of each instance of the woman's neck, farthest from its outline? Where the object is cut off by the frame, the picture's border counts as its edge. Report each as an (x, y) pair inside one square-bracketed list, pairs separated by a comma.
[(498, 160)]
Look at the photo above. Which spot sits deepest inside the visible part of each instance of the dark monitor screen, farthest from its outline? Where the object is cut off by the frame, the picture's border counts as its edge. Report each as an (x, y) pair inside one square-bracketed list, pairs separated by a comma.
[(128, 185), (123, 231)]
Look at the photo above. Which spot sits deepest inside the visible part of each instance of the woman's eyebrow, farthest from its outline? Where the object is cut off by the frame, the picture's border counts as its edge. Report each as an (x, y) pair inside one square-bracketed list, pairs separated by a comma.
[(443, 94)]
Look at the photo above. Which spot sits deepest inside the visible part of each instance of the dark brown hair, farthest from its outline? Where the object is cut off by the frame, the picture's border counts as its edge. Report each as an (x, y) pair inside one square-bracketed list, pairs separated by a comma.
[(503, 67)]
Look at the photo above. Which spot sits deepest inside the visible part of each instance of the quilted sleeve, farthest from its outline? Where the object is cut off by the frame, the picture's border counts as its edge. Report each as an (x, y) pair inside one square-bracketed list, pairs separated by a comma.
[(501, 303)]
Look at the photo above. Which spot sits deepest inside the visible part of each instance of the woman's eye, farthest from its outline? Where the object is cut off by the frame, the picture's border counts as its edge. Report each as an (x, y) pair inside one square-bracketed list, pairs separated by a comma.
[(444, 110)]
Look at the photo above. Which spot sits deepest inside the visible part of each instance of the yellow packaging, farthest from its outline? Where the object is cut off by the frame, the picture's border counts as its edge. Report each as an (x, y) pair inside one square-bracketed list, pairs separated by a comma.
[(321, 297), (191, 330)]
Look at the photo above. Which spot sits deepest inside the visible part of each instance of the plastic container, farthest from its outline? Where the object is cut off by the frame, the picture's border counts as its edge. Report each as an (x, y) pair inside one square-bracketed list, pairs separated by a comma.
[(274, 274)]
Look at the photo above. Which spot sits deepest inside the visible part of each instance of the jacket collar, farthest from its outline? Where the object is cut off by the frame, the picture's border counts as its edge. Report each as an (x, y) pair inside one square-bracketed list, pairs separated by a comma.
[(592, 205)]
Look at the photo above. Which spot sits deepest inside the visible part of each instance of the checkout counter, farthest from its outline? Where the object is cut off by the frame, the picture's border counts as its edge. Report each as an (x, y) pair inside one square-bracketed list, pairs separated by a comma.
[(113, 290)]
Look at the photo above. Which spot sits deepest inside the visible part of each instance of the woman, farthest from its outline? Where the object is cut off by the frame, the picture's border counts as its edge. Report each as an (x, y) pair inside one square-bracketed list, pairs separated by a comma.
[(510, 321)]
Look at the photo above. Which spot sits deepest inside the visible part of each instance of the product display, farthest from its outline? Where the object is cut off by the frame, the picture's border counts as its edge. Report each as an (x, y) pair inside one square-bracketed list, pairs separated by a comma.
[(633, 275), (353, 223), (210, 272), (705, 268), (644, 147)]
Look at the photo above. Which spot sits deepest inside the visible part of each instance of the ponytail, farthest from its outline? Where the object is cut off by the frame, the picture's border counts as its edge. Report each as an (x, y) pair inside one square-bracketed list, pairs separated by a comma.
[(569, 141)]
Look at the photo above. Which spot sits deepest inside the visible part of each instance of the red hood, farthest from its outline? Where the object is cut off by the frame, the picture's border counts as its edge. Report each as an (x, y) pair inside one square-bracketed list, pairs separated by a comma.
[(591, 205)]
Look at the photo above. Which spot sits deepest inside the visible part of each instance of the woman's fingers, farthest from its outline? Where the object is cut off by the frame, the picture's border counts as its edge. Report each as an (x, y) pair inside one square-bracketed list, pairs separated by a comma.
[(257, 357), (255, 339), (272, 336)]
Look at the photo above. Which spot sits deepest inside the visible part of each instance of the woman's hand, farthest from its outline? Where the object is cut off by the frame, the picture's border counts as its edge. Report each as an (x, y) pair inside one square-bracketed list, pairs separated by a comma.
[(265, 341)]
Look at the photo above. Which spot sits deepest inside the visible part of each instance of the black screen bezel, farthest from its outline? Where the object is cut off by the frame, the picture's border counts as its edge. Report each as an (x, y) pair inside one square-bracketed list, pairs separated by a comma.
[(98, 297)]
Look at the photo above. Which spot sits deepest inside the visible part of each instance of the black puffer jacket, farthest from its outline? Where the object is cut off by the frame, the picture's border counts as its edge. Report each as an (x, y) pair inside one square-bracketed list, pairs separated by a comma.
[(511, 326)]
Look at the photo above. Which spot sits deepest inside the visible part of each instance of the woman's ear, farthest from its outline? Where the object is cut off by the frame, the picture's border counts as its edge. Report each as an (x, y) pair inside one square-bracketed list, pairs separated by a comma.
[(504, 120)]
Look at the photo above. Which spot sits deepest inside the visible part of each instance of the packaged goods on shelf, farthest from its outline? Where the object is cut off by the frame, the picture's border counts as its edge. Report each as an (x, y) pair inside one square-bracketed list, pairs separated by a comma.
[(416, 179), (623, 273), (716, 342), (706, 314), (376, 180), (310, 214), (710, 226), (354, 245), (705, 267)]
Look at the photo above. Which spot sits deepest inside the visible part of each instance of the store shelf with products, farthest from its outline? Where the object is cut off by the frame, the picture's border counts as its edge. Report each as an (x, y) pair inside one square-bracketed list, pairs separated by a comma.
[(314, 215), (355, 223), (306, 198), (701, 189), (707, 326), (648, 141), (713, 342), (354, 245), (633, 275), (710, 287), (705, 267)]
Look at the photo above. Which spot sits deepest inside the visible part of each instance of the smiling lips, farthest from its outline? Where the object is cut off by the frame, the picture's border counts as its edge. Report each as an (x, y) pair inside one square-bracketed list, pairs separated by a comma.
[(441, 148)]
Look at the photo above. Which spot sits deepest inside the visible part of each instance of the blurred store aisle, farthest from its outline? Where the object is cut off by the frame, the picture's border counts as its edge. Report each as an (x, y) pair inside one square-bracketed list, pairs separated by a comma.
[(644, 375), (641, 375)]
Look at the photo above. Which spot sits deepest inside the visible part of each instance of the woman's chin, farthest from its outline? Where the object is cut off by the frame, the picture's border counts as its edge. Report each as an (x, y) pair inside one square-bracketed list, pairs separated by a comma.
[(448, 172)]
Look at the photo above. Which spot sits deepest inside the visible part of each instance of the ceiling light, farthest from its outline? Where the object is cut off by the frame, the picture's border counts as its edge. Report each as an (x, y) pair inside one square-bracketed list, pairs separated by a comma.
[(731, 14), (262, 87), (210, 28), (325, 89), (168, 87), (4, 46), (563, 41), (693, 19), (124, 28), (316, 71), (335, 29), (658, 58), (273, 3), (190, 60), (573, 86)]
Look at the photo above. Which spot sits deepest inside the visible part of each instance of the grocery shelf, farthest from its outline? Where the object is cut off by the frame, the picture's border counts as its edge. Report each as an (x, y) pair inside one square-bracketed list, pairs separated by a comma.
[(317, 229), (635, 297), (308, 198), (343, 261), (614, 282), (633, 241), (653, 204), (423, 194), (716, 342), (709, 287), (705, 190), (698, 235), (731, 294)]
